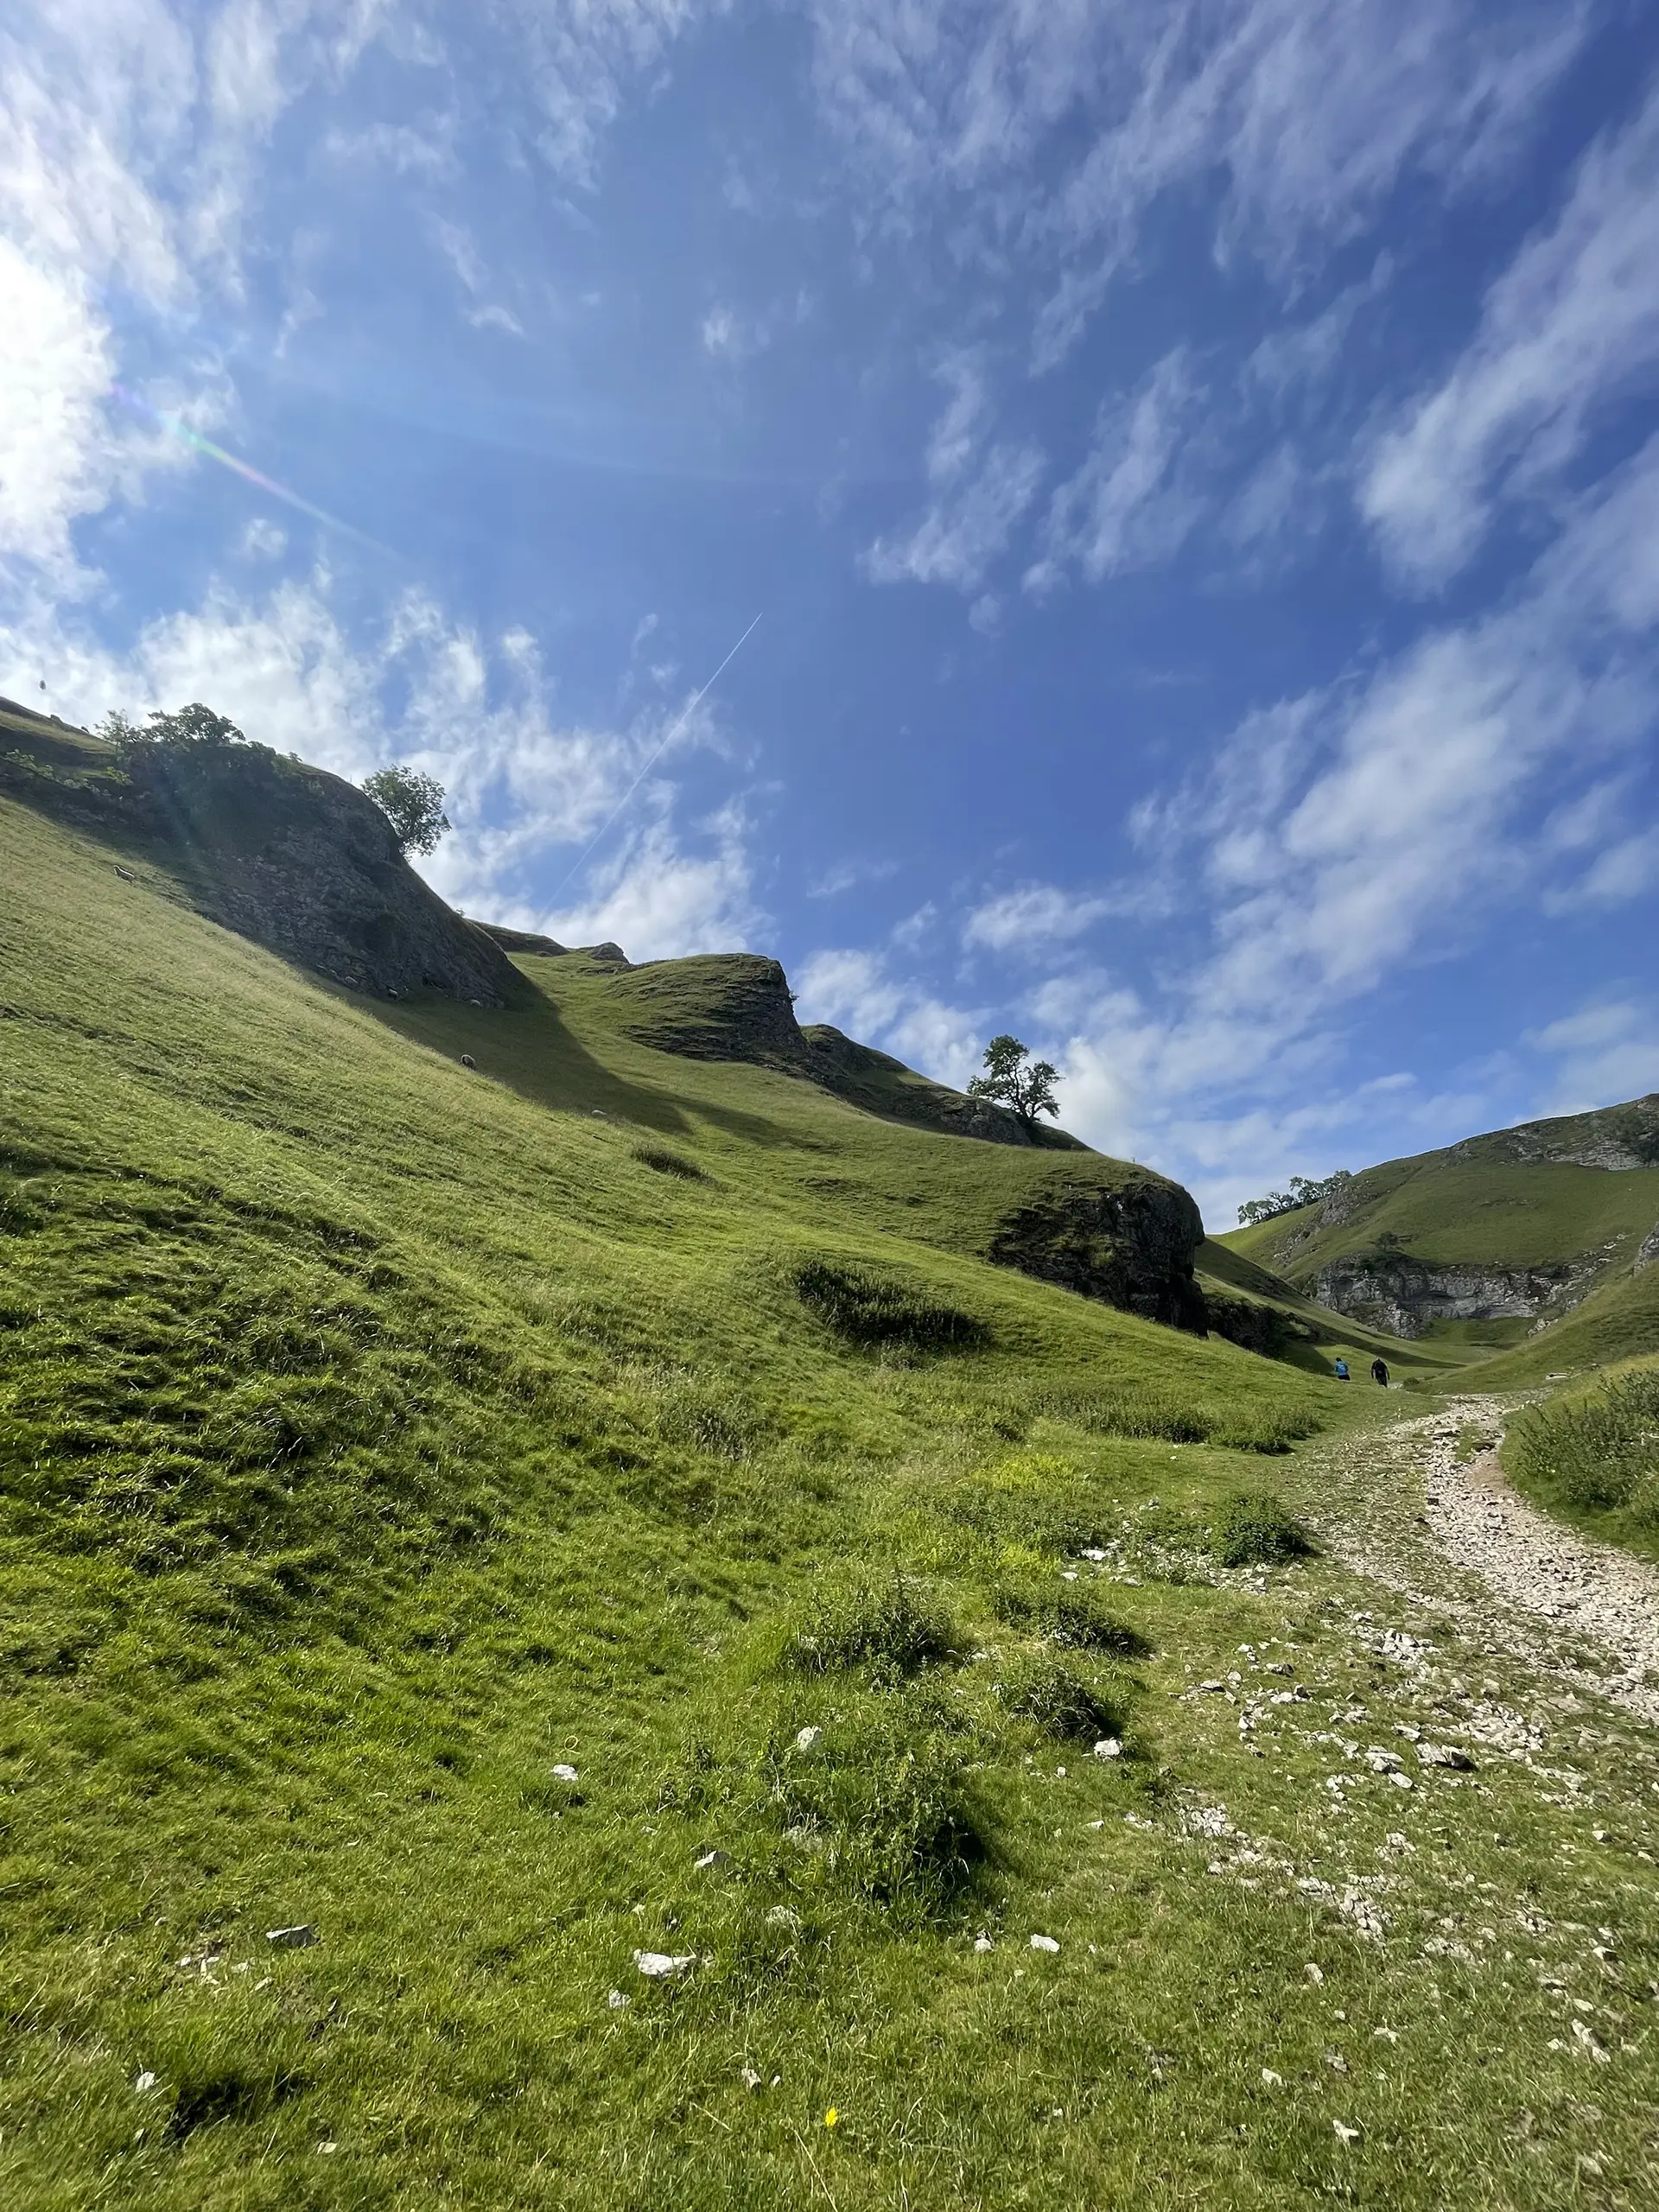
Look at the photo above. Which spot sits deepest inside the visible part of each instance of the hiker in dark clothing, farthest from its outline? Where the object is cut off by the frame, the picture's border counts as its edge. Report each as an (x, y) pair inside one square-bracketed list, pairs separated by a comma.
[(1379, 1372)]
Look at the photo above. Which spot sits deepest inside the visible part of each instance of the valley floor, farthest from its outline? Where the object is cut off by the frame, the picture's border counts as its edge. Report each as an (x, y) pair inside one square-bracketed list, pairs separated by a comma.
[(1369, 1913)]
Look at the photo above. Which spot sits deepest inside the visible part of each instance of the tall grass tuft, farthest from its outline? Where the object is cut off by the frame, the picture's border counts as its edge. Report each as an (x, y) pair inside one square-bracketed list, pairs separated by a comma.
[(1594, 1454), (867, 1308)]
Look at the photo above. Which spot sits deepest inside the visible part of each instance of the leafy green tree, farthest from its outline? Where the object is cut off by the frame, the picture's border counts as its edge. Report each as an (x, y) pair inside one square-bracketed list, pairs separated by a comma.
[(194, 725), (1026, 1090), (1302, 1192), (413, 803)]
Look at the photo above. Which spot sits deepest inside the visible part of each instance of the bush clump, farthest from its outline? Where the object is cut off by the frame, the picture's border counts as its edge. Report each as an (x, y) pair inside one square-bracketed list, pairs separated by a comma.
[(1072, 1616), (1043, 1687), (895, 1628), (1252, 1529), (870, 1309), (670, 1163), (878, 1805), (1594, 1454)]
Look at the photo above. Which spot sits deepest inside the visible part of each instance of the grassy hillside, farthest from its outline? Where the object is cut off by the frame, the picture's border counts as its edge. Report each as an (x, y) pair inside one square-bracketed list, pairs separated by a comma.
[(1591, 1454), (506, 1524), (1520, 1214)]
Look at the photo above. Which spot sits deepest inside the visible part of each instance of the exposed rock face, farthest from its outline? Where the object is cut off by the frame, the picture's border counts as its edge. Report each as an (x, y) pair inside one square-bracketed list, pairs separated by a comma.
[(1403, 1295), (304, 864), (1618, 1138), (1647, 1251), (1131, 1245)]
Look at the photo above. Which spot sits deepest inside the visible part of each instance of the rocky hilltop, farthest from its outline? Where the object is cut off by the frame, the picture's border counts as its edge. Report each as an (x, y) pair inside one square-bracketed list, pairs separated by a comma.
[(286, 854), (1517, 1226)]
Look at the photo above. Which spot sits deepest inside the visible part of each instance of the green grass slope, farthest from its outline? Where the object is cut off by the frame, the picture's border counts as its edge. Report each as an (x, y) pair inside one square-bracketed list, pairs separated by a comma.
[(1591, 1454), (508, 1525)]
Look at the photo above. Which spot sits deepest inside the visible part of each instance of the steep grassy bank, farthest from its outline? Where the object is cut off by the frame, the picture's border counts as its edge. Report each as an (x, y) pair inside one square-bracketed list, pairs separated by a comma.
[(1591, 1454), (437, 1515)]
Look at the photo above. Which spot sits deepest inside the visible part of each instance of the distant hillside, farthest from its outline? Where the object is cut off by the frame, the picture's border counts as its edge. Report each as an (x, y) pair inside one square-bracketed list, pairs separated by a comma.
[(1497, 1240)]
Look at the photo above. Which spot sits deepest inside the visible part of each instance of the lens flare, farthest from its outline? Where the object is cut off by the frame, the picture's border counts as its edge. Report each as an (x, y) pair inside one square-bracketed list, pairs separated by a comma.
[(197, 443)]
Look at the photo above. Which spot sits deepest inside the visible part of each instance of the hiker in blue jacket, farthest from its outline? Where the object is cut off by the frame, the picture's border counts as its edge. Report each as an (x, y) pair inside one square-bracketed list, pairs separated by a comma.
[(1342, 1370)]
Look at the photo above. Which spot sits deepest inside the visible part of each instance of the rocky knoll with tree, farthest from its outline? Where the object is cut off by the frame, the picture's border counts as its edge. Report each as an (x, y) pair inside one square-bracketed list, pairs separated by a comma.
[(279, 850)]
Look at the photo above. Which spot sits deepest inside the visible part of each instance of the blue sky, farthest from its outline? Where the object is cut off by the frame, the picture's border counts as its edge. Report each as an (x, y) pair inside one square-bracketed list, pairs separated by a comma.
[(1196, 469)]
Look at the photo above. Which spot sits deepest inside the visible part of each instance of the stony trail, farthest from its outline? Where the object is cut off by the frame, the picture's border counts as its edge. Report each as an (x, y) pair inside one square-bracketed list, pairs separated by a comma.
[(1586, 1609)]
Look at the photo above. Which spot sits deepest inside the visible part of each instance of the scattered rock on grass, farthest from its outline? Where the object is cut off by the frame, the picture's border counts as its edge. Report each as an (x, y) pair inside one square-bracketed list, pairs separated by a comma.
[(807, 1737), (660, 1966), (1044, 1943), (1109, 1747), (291, 1939), (1446, 1755)]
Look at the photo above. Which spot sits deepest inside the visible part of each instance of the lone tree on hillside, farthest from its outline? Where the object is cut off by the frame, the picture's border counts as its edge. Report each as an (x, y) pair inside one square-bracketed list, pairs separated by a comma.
[(413, 803), (1025, 1091)]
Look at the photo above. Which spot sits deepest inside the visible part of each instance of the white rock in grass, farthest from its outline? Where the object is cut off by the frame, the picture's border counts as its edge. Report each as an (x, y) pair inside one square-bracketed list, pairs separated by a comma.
[(564, 1772), (807, 1737), (1044, 1943), (1315, 1974), (984, 1943), (291, 1939), (1270, 2080), (712, 1861), (751, 2080), (618, 2002), (1108, 1748), (1344, 2134), (144, 2084), (658, 1966), (1401, 1781)]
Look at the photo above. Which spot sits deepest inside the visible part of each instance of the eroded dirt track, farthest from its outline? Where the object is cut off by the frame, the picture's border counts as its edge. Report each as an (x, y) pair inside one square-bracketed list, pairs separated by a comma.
[(1549, 1594)]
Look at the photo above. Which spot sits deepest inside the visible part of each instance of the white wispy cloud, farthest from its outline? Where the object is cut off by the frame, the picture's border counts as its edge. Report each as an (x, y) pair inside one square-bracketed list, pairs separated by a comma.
[(1607, 1049), (1039, 914), (1132, 502), (982, 486), (1571, 325), (1311, 109)]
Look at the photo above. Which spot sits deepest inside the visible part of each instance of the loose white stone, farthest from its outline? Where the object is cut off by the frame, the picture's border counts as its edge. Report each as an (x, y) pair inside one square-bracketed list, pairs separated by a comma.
[(1270, 2080), (807, 1737), (564, 1772), (984, 1943), (1315, 1974), (751, 2080), (1344, 2134), (291, 1939), (618, 2002), (658, 1966), (714, 1859), (1044, 1943), (143, 2085), (1108, 1748)]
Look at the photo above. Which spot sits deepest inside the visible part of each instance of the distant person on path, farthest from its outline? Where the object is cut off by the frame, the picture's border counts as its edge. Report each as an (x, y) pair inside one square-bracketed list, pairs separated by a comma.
[(1342, 1370), (1380, 1373)]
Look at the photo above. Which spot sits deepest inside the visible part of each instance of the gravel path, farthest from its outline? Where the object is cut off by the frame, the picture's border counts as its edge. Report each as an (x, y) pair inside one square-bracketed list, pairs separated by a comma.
[(1592, 1593)]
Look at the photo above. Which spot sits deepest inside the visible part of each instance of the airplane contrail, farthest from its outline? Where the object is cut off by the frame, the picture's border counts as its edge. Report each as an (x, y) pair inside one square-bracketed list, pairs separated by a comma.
[(689, 710)]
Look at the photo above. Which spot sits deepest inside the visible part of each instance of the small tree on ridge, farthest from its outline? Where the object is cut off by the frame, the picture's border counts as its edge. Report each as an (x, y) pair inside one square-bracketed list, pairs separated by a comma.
[(1025, 1091), (413, 803)]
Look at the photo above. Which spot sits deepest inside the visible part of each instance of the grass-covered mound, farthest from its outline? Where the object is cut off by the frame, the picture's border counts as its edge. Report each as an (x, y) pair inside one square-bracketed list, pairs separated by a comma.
[(1591, 1454)]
